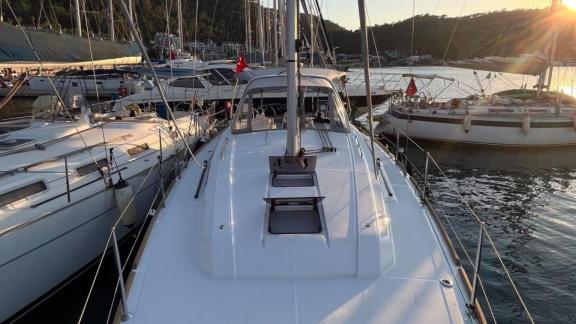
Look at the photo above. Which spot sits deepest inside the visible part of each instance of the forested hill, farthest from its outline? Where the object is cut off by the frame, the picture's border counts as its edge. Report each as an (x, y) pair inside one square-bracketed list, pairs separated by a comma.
[(504, 33)]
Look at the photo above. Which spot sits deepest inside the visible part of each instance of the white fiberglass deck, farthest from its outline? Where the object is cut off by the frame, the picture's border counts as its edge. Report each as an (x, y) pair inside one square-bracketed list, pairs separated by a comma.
[(211, 260)]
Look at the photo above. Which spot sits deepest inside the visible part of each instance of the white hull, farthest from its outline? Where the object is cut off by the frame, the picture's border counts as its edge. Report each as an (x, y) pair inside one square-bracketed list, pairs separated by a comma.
[(495, 134), (44, 254), (87, 85), (46, 238)]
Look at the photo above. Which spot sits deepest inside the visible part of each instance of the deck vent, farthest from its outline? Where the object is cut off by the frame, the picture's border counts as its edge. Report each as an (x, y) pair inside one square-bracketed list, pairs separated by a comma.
[(294, 215)]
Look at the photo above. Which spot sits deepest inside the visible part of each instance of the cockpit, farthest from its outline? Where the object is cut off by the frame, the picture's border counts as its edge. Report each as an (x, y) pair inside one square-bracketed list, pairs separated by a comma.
[(263, 106)]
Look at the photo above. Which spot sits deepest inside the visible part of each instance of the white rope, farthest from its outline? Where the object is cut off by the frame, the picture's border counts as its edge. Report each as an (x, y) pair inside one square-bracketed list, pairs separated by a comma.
[(29, 41)]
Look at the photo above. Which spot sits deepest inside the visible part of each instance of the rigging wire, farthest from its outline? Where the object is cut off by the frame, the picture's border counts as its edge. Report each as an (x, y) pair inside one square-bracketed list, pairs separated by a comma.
[(454, 30), (157, 81), (375, 47), (29, 41), (88, 30)]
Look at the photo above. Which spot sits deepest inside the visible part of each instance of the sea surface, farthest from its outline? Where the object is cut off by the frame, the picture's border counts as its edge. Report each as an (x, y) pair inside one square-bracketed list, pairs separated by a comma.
[(527, 199)]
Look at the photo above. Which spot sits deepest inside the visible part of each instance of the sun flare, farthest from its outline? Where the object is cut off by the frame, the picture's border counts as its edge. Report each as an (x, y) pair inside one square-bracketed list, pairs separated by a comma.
[(570, 4)]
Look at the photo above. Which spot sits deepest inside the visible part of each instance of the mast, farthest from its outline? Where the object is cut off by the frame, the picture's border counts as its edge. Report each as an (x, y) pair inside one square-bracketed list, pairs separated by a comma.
[(111, 20), (275, 32), (550, 51), (553, 47), (78, 21), (292, 138), (131, 12), (180, 27), (365, 58), (283, 29), (249, 30), (260, 31)]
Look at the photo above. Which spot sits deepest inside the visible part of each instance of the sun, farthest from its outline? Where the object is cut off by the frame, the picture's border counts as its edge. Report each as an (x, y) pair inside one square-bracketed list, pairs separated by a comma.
[(570, 4)]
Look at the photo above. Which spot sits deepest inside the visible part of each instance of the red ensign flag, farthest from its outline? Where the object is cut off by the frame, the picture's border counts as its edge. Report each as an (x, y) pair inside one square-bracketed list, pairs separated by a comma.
[(241, 64), (411, 90)]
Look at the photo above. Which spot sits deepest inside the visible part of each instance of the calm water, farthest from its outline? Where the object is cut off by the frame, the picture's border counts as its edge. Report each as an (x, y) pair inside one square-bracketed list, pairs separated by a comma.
[(526, 198)]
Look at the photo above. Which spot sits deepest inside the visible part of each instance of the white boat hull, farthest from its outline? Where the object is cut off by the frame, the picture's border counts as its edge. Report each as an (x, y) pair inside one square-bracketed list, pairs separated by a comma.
[(480, 131), (44, 254)]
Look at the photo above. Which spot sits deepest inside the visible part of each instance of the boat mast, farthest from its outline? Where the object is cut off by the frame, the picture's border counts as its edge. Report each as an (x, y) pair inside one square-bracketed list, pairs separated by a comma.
[(180, 27), (249, 28), (292, 138), (365, 53), (111, 20), (78, 21), (553, 47), (131, 11), (260, 31), (282, 29), (275, 32)]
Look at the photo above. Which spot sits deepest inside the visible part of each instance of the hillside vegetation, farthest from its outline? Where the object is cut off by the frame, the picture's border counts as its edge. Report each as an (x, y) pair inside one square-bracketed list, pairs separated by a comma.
[(504, 33)]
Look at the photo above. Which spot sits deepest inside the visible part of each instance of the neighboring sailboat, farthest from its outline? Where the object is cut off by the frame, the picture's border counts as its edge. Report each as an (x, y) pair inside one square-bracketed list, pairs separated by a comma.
[(66, 178), (295, 220), (59, 193), (518, 117)]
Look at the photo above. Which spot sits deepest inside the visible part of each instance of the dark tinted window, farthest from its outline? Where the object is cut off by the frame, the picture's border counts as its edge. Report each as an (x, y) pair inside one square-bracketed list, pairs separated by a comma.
[(228, 74), (21, 193), (91, 167), (214, 78), (192, 83)]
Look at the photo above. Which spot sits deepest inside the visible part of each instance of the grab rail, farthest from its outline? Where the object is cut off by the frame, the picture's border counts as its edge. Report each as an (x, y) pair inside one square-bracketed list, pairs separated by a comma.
[(428, 178)]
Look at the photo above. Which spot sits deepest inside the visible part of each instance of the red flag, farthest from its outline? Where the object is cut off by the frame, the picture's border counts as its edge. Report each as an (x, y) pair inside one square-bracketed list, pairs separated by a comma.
[(411, 90), (241, 64)]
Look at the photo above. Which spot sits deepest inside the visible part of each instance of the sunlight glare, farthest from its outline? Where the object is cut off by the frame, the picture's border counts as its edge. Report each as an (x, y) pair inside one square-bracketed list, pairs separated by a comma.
[(570, 4)]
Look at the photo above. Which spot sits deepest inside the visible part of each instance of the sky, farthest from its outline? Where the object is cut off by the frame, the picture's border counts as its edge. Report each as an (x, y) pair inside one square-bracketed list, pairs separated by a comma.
[(345, 12)]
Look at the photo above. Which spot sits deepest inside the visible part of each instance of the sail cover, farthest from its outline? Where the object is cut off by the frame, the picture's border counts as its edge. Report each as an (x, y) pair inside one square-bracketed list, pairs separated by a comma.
[(53, 47), (528, 64)]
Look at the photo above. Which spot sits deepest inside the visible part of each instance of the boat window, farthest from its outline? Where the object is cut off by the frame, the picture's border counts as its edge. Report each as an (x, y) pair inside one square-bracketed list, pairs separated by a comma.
[(137, 149), (192, 83), (91, 167), (21, 193), (265, 109), (8, 144), (214, 78), (294, 215), (229, 74)]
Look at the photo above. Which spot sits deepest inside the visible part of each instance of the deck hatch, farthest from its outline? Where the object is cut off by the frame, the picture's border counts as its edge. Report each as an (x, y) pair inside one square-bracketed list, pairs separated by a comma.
[(293, 180), (22, 192), (139, 148), (302, 215), (91, 167), (8, 144)]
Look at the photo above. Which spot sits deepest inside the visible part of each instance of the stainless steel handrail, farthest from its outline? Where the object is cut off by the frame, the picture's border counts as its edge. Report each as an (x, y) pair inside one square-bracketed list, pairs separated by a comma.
[(420, 178)]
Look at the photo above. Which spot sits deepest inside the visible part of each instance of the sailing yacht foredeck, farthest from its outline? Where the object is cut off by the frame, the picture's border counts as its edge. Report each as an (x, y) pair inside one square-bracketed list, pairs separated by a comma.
[(330, 240)]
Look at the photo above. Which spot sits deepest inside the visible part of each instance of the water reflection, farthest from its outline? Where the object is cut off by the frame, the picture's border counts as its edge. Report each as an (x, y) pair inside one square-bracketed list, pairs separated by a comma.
[(528, 200)]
